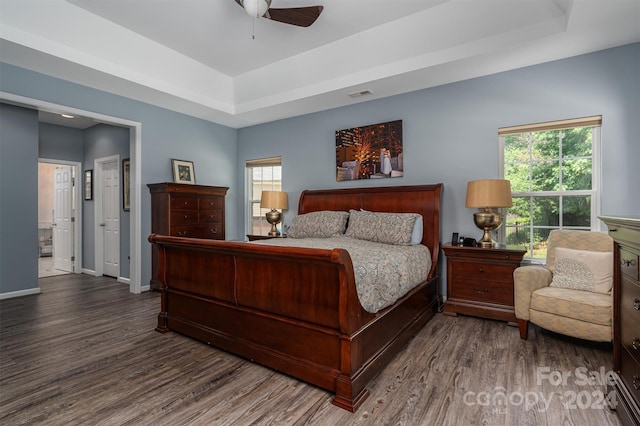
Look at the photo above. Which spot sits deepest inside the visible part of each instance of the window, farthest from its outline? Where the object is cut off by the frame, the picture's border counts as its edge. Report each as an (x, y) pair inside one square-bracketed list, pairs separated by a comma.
[(554, 173), (263, 174)]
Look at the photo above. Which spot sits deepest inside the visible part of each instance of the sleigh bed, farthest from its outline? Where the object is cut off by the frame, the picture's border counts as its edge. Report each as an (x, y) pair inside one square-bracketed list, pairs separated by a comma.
[(296, 309)]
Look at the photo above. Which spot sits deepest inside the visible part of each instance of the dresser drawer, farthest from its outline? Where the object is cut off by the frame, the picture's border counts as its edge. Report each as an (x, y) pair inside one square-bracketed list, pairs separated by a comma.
[(184, 217), (484, 271), (211, 203), (210, 216), (630, 335), (184, 203), (629, 264), (210, 231), (486, 291), (630, 298), (630, 374)]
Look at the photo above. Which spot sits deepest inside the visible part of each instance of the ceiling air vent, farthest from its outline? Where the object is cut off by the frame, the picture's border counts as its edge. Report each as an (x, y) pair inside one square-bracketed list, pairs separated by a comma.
[(360, 93)]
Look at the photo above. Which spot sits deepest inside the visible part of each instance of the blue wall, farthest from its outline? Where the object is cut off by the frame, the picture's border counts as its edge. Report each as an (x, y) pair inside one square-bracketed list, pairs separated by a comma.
[(450, 132), (165, 135), (450, 136), (18, 199)]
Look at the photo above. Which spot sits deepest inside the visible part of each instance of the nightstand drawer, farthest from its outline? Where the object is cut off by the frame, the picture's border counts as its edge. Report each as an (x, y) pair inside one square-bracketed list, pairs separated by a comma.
[(484, 271), (486, 291)]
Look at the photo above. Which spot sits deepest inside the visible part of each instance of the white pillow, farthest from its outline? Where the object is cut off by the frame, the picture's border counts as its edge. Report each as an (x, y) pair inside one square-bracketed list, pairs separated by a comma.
[(583, 270), (416, 234)]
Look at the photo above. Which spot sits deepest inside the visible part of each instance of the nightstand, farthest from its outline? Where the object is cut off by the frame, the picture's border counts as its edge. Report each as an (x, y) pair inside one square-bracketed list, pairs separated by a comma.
[(263, 237), (480, 281)]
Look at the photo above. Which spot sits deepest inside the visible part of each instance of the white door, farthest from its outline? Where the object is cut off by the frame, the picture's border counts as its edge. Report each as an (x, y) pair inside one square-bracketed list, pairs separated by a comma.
[(111, 218), (63, 219)]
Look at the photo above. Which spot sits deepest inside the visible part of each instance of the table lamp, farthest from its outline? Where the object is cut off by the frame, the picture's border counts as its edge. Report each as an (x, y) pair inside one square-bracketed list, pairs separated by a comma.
[(487, 195), (273, 200)]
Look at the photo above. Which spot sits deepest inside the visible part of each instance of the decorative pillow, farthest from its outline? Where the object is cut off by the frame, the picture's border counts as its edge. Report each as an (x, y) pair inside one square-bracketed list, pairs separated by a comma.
[(416, 233), (388, 228), (583, 270), (322, 224)]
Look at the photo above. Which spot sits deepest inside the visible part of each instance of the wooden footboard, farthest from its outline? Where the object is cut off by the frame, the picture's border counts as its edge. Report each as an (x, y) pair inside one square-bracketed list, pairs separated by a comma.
[(293, 309)]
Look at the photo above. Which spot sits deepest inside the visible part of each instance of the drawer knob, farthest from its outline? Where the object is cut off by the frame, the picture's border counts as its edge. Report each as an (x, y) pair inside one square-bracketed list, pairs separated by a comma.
[(635, 343), (636, 382), (481, 290), (182, 233), (186, 216), (480, 270), (626, 262), (213, 230), (636, 304)]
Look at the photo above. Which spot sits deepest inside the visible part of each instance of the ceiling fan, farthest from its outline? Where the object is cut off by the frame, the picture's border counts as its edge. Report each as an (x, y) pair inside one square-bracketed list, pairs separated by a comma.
[(300, 16)]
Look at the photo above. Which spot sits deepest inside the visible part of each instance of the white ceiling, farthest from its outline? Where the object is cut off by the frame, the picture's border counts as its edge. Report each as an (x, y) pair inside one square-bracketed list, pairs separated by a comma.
[(199, 57)]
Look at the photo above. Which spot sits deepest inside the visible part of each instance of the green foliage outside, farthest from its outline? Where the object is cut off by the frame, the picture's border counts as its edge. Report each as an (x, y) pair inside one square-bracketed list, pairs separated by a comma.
[(546, 169)]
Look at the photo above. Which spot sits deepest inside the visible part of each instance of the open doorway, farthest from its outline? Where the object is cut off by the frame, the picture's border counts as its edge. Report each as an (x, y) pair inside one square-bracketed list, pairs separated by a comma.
[(59, 236)]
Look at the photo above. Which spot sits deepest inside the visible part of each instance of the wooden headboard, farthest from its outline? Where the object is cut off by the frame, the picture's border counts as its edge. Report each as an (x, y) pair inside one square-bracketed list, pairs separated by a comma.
[(421, 199)]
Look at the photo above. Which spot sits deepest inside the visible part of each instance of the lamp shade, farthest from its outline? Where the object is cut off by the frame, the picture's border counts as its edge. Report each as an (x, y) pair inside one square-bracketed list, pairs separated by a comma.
[(273, 200), (489, 193)]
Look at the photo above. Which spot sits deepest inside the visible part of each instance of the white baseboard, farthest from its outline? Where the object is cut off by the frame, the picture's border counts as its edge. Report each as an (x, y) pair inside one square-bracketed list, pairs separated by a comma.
[(145, 288), (124, 280), (20, 293), (88, 272)]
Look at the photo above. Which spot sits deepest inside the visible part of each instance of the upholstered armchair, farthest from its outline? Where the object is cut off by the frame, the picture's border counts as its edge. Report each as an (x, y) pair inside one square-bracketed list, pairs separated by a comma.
[(571, 294)]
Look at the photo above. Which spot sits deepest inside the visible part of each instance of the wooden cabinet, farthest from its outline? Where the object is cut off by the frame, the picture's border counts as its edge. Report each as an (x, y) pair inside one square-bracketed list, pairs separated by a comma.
[(180, 210), (626, 317), (480, 281)]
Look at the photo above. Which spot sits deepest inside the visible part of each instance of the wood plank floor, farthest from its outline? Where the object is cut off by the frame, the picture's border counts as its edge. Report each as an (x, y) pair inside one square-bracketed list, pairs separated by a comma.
[(84, 352)]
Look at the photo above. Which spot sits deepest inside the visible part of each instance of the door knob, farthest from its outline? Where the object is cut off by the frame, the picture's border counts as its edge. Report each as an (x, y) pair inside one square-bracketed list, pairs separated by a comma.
[(102, 224)]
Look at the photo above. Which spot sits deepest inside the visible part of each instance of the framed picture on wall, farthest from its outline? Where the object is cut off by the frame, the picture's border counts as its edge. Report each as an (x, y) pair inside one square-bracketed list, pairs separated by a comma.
[(88, 184), (183, 171), (370, 152), (126, 185)]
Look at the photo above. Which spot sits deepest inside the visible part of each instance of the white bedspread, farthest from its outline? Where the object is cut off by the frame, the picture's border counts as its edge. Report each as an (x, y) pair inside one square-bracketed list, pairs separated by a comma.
[(383, 272)]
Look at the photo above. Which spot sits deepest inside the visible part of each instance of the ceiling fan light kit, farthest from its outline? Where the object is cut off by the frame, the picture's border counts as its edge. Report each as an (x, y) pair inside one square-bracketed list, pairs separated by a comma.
[(256, 8), (298, 16)]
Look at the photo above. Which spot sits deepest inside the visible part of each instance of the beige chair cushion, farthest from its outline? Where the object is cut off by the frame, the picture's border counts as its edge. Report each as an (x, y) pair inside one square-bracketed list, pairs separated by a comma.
[(577, 240), (566, 303), (572, 327)]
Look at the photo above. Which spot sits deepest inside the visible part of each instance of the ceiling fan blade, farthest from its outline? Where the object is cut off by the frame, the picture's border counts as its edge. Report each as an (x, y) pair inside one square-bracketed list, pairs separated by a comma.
[(299, 16)]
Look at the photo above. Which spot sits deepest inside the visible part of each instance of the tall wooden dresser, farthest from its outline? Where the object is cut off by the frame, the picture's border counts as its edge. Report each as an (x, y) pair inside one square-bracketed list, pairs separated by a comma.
[(626, 317), (181, 210)]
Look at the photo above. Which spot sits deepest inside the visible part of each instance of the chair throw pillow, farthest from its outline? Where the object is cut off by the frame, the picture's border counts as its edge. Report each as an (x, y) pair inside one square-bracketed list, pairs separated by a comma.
[(583, 270)]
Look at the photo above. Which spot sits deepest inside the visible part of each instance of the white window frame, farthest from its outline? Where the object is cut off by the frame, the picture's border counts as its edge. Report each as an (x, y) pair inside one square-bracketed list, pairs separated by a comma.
[(250, 202), (596, 172)]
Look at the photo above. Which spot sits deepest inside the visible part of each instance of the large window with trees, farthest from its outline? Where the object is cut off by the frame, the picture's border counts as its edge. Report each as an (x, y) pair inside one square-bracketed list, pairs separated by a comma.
[(554, 173), (263, 174)]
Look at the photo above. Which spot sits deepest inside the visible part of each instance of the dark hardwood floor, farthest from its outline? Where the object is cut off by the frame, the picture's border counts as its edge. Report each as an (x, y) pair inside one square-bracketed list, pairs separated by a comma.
[(85, 352)]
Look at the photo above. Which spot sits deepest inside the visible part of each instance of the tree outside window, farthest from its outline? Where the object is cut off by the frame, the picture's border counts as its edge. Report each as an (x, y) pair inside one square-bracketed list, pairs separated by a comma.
[(553, 182)]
